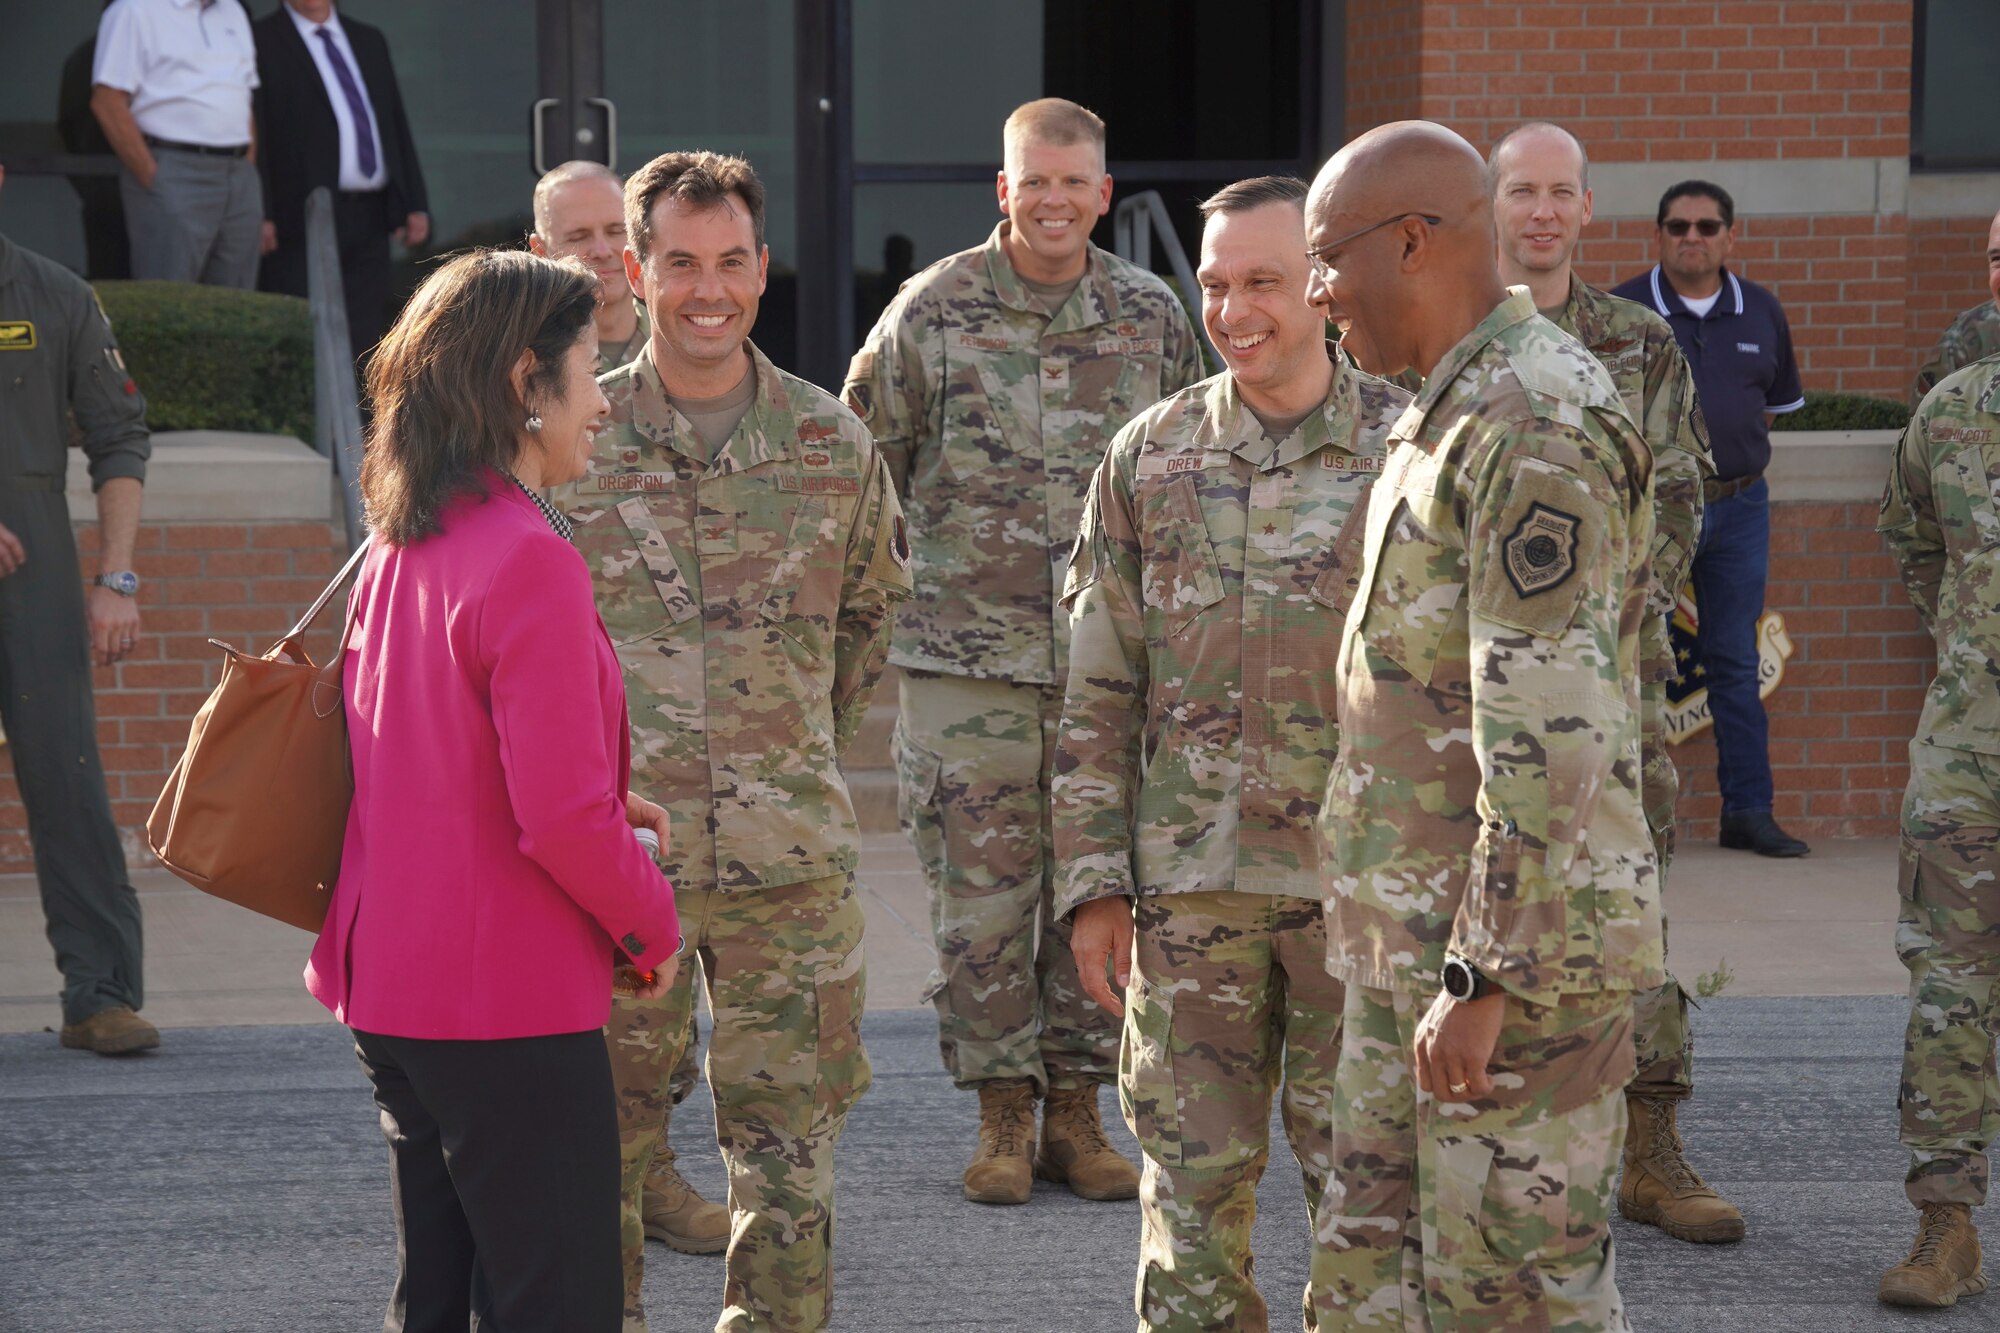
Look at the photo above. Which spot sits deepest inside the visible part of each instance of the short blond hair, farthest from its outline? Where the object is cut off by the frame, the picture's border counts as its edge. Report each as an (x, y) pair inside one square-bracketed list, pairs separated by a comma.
[(1055, 121), (557, 177)]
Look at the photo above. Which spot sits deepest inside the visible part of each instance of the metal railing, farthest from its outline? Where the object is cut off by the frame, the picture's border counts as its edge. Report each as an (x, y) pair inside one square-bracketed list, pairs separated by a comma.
[(336, 403), (1137, 219)]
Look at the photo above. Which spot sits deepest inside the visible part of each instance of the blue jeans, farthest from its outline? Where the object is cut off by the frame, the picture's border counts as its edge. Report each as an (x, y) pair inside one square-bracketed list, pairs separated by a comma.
[(1730, 563)]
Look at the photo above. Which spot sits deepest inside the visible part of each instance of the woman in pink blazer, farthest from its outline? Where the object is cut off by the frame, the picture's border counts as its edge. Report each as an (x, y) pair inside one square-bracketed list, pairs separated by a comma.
[(490, 875)]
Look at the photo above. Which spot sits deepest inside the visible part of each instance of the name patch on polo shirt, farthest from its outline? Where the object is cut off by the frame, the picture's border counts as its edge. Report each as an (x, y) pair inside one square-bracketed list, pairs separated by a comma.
[(1751, 348)]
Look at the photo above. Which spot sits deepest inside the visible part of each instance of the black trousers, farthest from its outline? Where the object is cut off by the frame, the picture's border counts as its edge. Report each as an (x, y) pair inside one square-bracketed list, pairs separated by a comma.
[(361, 227), (51, 722), (503, 1162)]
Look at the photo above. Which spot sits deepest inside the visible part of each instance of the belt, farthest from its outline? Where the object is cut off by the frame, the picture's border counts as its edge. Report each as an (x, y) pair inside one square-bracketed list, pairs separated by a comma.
[(41, 482), (1714, 489), (205, 149)]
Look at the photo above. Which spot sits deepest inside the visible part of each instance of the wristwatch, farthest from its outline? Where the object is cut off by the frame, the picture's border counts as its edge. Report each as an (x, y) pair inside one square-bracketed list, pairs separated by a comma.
[(1463, 982), (121, 581)]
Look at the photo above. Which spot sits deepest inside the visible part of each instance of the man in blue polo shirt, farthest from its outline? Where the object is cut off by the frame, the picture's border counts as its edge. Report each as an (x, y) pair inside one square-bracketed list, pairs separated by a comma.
[(1740, 347)]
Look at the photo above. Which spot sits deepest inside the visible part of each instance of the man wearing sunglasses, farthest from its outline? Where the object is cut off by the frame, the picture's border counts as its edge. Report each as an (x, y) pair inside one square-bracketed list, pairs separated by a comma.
[(1737, 341)]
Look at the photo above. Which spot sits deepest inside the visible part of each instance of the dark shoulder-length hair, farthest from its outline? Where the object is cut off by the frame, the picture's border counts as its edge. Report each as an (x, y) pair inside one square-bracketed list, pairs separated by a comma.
[(445, 406)]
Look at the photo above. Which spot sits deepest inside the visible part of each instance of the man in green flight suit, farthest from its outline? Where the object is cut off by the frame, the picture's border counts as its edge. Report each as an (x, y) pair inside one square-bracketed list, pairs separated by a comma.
[(57, 353)]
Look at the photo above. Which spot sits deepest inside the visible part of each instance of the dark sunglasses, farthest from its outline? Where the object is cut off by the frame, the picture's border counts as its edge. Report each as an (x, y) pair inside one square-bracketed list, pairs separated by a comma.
[(1706, 226)]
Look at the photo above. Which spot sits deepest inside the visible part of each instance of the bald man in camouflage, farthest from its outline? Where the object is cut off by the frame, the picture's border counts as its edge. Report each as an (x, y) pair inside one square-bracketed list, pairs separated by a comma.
[(1492, 891)]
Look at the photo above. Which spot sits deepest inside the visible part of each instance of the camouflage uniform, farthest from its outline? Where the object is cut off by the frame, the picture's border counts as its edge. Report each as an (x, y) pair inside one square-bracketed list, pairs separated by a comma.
[(992, 415), (1210, 578), (639, 1045), (1973, 336), (1942, 517), (749, 598), (1486, 800), (1637, 348), (610, 356)]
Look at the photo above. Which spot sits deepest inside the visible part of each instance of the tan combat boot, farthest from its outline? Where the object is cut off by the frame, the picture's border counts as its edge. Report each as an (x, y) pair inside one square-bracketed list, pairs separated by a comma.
[(113, 1031), (1660, 1189), (1000, 1172), (1943, 1264), (675, 1213), (1075, 1150)]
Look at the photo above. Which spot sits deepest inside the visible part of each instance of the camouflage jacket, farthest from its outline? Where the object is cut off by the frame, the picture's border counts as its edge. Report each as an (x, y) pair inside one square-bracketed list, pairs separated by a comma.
[(1973, 336), (1486, 795), (992, 416), (610, 356), (1653, 379), (1942, 517), (1209, 583), (749, 600)]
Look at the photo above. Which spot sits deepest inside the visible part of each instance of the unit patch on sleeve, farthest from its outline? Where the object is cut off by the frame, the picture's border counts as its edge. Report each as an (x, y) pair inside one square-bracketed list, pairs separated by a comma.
[(1540, 552)]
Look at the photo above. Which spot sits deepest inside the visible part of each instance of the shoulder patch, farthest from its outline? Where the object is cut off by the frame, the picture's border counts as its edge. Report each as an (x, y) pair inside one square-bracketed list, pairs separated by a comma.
[(1540, 553)]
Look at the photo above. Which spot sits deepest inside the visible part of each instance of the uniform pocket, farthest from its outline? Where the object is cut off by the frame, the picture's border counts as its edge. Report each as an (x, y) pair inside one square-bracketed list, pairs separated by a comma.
[(843, 1073), (1979, 476), (1340, 572), (917, 774), (657, 560), (1146, 1093), (1180, 577)]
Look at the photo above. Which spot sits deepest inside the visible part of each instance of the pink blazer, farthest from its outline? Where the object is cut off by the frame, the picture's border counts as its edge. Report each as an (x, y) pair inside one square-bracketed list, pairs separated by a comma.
[(488, 868)]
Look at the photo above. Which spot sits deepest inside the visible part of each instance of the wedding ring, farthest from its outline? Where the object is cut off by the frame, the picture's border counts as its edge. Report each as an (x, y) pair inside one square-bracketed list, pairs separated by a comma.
[(1460, 1088)]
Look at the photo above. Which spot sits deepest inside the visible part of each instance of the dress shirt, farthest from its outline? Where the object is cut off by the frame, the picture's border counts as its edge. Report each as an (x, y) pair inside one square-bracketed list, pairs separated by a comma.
[(351, 175), (188, 64)]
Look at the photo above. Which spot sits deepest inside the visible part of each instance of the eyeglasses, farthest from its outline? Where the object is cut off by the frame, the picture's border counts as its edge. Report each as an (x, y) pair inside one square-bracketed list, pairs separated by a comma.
[(1321, 267), (1706, 226)]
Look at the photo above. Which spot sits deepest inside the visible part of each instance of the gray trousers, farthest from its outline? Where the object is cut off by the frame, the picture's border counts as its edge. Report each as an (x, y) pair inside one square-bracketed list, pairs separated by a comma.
[(46, 707), (199, 223)]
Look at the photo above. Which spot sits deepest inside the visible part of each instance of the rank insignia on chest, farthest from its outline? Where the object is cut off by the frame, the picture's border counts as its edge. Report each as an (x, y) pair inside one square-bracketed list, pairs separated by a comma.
[(17, 335), (1540, 553)]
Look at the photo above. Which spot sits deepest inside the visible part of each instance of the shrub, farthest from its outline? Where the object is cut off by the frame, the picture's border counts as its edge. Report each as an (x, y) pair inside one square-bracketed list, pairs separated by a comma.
[(214, 358), (1845, 411)]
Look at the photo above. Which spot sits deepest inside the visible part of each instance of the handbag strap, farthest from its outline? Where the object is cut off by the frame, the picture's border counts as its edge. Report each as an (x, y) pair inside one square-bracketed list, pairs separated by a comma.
[(319, 603)]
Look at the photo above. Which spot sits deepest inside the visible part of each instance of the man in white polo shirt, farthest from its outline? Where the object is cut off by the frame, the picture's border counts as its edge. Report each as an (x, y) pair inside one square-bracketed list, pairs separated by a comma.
[(171, 87)]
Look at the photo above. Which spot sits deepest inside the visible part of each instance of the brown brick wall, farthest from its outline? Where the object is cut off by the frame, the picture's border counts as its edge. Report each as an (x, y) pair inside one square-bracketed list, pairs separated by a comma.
[(1947, 275), (1644, 82), (1842, 718), (1666, 83), (241, 583)]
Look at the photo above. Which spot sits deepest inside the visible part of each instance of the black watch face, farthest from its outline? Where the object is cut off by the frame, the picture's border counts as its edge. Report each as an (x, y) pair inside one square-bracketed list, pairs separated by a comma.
[(1457, 979)]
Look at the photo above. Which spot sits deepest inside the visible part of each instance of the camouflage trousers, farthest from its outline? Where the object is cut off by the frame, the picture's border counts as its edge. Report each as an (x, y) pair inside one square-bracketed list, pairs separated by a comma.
[(786, 984), (1664, 1043), (973, 761), (1228, 992), (1489, 1215), (1948, 935), (642, 1035)]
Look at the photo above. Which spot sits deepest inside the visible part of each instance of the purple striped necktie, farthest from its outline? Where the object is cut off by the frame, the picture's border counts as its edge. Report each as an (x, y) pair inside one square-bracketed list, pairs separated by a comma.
[(364, 128)]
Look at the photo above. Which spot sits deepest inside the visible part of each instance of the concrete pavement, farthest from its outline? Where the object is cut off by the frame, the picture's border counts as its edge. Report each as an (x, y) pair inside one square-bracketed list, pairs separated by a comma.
[(1822, 925)]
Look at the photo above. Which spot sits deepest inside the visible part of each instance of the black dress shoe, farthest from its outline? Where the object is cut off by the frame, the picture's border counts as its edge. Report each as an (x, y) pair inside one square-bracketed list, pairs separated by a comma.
[(1759, 833)]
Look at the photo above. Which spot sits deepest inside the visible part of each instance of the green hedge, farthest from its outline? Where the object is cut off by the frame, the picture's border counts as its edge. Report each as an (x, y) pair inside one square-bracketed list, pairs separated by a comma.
[(214, 358), (1845, 411)]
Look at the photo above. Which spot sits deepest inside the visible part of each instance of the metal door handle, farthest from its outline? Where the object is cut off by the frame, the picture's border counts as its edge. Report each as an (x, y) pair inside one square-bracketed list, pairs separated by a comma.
[(610, 128), (535, 115)]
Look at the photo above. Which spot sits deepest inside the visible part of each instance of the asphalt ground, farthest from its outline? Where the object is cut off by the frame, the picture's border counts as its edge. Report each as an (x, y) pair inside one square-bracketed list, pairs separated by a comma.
[(235, 1180)]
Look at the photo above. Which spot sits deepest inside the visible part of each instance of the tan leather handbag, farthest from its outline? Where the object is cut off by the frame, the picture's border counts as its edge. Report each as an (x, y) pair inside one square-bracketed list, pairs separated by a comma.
[(256, 809)]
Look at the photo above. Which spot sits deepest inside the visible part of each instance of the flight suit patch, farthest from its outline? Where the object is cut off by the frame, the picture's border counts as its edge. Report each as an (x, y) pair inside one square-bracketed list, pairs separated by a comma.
[(17, 335)]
